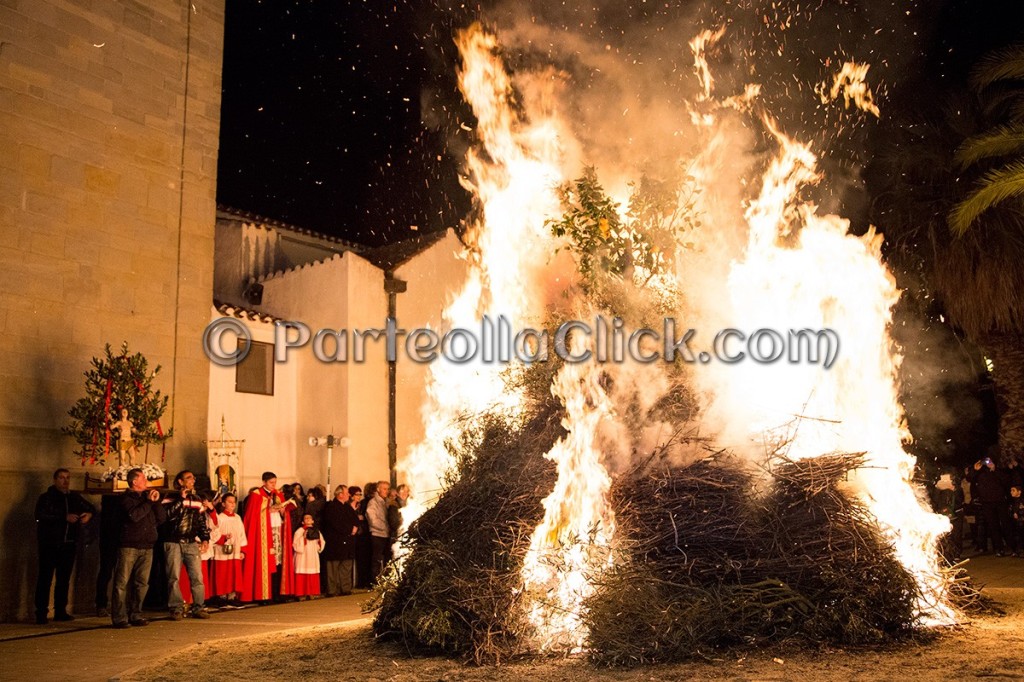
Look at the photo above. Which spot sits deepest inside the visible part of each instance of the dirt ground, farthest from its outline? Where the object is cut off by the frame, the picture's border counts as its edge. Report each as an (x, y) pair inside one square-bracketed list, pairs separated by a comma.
[(990, 647)]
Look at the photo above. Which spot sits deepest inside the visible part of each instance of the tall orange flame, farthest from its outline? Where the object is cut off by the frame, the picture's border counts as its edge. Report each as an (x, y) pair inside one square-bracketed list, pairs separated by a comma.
[(572, 544), (513, 175), (804, 270)]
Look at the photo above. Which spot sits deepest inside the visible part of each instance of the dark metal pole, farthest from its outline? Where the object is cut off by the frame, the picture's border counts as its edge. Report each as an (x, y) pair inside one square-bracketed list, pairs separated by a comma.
[(393, 287)]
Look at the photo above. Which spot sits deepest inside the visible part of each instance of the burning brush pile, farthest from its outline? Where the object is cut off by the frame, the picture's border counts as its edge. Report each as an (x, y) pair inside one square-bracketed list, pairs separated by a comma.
[(457, 589), (703, 559), (548, 537)]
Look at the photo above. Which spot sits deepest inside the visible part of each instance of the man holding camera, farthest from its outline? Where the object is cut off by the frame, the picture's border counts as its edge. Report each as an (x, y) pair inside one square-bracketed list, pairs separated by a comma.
[(186, 537), (990, 487), (141, 513)]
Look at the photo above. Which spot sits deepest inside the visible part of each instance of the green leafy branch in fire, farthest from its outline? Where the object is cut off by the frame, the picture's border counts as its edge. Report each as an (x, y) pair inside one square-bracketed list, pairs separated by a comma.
[(636, 245)]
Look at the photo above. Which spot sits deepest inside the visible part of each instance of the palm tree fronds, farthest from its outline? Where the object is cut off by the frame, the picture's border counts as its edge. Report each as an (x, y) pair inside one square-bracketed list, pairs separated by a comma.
[(995, 187), (999, 141), (980, 277), (1004, 64), (1009, 100)]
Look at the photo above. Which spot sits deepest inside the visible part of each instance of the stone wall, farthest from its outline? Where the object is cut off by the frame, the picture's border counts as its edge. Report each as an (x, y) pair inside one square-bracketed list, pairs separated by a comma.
[(109, 127)]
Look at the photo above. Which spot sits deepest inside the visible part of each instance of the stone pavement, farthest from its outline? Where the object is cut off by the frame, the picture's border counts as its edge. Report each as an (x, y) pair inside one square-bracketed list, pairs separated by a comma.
[(997, 572), (89, 649)]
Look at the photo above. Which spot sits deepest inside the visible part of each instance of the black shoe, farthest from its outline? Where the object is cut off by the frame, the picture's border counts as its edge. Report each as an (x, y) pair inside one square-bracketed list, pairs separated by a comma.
[(41, 620), (102, 612), (122, 626), (64, 617), (139, 623)]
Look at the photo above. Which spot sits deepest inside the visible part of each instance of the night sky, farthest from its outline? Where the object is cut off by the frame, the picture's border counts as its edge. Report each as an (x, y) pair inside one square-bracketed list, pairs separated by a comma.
[(321, 123), (343, 116)]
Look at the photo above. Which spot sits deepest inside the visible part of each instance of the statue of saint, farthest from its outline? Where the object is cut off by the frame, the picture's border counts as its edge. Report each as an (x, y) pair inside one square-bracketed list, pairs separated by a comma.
[(125, 443)]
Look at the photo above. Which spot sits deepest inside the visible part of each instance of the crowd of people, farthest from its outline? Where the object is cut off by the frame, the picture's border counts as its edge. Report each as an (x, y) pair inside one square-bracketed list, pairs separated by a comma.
[(274, 545), (985, 508), (286, 544)]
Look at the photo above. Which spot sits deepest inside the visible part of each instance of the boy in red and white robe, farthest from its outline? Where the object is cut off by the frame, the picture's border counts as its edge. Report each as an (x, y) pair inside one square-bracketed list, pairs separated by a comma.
[(308, 543), (227, 543)]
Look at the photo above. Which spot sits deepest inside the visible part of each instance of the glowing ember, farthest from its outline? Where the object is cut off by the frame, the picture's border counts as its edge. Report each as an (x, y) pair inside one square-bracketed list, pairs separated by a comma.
[(851, 82)]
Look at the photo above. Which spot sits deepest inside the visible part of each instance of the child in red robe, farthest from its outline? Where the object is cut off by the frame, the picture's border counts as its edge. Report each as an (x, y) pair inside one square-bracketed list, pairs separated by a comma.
[(228, 543)]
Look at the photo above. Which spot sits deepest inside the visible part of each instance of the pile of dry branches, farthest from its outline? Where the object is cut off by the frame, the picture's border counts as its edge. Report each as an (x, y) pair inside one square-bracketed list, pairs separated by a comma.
[(704, 558), (458, 589), (706, 561)]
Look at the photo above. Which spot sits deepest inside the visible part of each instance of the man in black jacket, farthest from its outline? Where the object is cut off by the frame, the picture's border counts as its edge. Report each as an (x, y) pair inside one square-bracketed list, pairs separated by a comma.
[(340, 523), (186, 537), (59, 513), (990, 486), (141, 513)]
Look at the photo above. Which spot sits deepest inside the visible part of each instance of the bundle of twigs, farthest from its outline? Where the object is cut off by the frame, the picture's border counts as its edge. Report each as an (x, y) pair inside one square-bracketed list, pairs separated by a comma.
[(457, 590), (706, 561)]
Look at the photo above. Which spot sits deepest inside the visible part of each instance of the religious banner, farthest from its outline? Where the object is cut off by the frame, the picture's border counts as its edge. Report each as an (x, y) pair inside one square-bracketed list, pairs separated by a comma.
[(224, 457)]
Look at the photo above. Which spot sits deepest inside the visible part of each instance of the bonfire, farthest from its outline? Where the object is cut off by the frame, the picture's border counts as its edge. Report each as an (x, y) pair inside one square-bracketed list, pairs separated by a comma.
[(643, 511)]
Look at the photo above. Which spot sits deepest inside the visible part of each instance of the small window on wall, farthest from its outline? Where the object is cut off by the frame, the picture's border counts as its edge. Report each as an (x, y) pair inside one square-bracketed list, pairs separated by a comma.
[(255, 374)]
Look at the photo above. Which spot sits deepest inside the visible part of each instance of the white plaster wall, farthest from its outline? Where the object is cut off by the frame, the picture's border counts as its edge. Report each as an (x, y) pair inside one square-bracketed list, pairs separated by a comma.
[(261, 251), (434, 277), (367, 418), (346, 398), (266, 423)]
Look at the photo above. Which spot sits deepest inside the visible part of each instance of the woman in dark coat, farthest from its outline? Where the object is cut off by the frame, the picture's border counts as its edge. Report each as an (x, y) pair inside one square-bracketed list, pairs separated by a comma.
[(315, 501), (364, 548)]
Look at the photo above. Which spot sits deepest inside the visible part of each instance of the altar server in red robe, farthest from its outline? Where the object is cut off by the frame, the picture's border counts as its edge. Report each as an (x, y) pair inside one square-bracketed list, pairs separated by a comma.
[(229, 546)]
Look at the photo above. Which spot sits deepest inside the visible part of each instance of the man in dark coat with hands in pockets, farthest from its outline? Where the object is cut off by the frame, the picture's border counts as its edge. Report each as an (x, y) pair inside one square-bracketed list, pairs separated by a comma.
[(59, 513)]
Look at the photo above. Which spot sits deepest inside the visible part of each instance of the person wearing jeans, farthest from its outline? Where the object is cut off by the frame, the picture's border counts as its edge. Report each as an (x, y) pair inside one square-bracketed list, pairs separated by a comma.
[(142, 512), (186, 537)]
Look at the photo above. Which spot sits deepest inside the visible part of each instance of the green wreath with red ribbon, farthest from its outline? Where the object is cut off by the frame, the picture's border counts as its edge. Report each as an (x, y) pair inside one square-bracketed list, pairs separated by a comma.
[(117, 381)]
